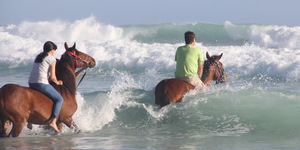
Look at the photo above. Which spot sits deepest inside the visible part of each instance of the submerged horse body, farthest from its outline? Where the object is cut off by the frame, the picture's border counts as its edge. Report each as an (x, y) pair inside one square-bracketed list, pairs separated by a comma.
[(173, 90), (19, 105)]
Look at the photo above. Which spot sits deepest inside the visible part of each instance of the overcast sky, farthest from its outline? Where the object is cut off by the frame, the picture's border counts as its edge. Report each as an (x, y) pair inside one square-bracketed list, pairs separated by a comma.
[(126, 12)]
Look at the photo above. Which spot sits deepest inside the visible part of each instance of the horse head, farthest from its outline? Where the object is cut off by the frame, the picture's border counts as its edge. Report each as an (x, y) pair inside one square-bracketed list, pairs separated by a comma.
[(81, 59), (213, 67)]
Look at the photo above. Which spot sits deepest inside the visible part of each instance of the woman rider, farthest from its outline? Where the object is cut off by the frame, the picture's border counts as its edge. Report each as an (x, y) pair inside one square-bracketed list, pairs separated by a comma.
[(43, 67)]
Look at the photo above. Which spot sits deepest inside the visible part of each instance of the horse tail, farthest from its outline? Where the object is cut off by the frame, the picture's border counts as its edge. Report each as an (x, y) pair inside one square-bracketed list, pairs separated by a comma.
[(161, 96), (2, 130)]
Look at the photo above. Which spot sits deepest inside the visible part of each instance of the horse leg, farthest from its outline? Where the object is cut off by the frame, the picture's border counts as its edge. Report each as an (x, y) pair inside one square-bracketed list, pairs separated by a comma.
[(5, 126), (59, 125), (17, 127), (72, 125), (2, 132), (29, 126), (2, 129), (75, 127)]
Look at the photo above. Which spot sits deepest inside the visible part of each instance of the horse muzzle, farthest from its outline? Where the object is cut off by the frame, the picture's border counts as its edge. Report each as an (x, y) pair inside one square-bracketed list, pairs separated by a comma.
[(223, 78), (91, 64)]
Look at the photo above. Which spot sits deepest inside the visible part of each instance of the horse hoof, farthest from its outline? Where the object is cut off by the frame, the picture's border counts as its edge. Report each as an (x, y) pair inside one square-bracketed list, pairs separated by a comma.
[(77, 131), (29, 126)]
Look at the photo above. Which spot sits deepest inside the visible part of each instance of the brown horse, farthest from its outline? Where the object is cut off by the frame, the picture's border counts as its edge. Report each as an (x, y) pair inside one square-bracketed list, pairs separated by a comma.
[(173, 90), (19, 105)]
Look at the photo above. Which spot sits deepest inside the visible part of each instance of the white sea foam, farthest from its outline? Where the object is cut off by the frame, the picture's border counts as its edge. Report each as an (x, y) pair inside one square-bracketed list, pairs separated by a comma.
[(272, 50), (267, 36)]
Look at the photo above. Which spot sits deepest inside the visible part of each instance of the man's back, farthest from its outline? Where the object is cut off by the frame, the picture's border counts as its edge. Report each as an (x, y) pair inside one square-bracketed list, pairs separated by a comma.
[(187, 58)]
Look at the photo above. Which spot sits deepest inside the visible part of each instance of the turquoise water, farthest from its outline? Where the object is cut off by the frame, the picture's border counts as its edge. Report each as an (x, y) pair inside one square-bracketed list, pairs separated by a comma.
[(257, 108)]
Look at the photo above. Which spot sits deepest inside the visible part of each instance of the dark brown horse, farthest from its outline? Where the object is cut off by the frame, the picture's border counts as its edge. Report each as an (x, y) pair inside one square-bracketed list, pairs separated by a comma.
[(19, 105), (173, 90)]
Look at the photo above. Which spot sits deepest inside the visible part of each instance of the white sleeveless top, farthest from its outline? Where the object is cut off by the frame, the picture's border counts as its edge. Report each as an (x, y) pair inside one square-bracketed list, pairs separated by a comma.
[(41, 71)]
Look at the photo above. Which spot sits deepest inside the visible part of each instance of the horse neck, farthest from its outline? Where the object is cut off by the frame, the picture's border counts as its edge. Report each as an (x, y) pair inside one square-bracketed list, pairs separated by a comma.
[(207, 75), (206, 79), (66, 73)]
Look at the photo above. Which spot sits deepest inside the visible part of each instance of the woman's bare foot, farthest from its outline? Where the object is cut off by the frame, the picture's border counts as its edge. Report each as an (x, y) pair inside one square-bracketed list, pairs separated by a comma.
[(29, 126), (53, 125)]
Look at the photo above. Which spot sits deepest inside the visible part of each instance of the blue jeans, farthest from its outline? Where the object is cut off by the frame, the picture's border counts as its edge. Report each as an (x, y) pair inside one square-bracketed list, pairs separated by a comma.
[(49, 91)]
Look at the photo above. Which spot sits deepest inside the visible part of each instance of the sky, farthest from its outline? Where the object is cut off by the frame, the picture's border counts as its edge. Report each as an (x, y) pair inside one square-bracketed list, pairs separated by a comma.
[(131, 12)]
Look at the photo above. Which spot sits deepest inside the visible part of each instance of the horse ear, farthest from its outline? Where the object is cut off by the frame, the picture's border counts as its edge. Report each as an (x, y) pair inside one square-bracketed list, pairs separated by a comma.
[(73, 47), (219, 57), (66, 46), (207, 55)]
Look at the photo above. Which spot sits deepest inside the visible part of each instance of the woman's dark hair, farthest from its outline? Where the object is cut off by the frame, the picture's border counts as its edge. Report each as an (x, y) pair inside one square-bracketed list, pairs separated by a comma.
[(189, 37), (48, 46)]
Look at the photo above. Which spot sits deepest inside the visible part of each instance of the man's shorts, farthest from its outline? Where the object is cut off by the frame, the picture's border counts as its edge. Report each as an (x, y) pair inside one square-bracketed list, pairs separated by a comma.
[(195, 81)]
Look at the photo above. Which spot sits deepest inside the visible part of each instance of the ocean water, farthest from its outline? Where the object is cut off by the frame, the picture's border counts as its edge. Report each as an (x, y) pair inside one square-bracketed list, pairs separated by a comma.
[(257, 108)]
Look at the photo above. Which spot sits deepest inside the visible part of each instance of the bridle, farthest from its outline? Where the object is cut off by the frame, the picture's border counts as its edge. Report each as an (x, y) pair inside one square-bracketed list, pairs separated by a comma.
[(220, 72), (218, 69), (85, 61)]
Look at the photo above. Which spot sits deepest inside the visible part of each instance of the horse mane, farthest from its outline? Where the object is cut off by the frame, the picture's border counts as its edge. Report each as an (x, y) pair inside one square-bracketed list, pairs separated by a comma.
[(206, 65), (65, 72)]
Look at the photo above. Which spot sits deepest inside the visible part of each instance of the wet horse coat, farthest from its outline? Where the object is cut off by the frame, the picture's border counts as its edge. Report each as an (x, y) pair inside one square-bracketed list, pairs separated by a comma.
[(173, 90), (19, 105)]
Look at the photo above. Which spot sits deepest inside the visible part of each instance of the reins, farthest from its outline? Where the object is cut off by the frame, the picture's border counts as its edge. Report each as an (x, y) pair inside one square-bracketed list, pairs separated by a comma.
[(81, 78), (76, 65)]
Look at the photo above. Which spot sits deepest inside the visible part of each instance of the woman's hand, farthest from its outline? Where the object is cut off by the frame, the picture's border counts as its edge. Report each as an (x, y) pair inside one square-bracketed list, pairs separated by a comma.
[(59, 82)]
